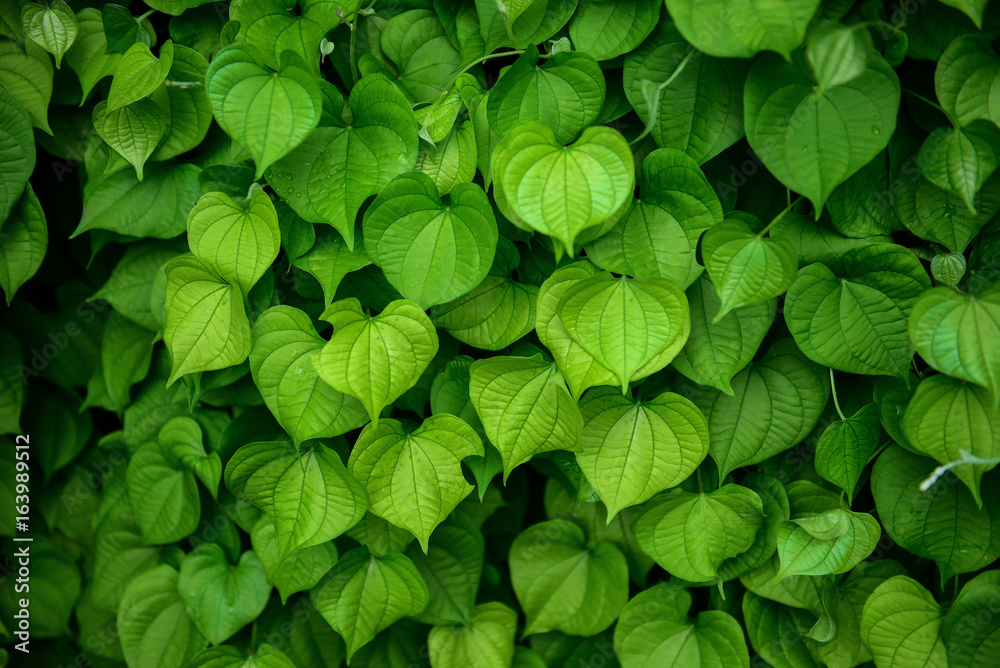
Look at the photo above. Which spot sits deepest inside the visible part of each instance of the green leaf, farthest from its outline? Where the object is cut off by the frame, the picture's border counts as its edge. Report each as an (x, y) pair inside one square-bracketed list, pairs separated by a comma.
[(415, 41), (689, 101), (227, 656), (330, 260), (961, 160), (747, 268), (855, 320), (969, 640), (492, 315), (365, 593), (717, 351), (691, 535), (236, 241), (902, 624), (774, 500), (133, 131), (565, 93), (950, 330), (454, 162), (486, 642), (164, 497), (946, 417), (126, 352), (300, 571), (27, 74), (561, 191), (641, 324), (54, 589), (655, 629), (633, 450), (139, 73), (283, 362), (779, 633), (974, 9), (153, 625), (270, 113), (12, 388), (88, 56), (964, 77), (181, 442), (942, 523), (309, 496), (123, 30), (777, 401), (207, 326), (414, 480), (376, 359), (452, 569), (539, 20), (222, 598), (737, 29), (130, 285), (185, 102), (847, 446), (52, 27), (834, 133), (606, 30), (432, 252), (565, 584), (838, 54), (524, 407), (269, 27), (337, 168), (17, 152), (659, 233), (23, 242)]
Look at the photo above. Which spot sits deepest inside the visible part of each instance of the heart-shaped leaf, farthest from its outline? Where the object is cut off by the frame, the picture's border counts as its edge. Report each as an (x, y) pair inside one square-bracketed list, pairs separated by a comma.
[(269, 113), (268, 26), (492, 315), (17, 152), (185, 103), (26, 73), (376, 359), (133, 131), (632, 327), (606, 30), (560, 191), (53, 27), (309, 496), (950, 330), (524, 407), (416, 42), (164, 497), (414, 480), (837, 53), (845, 447), (856, 321), (88, 56), (834, 133), (300, 571), (902, 619), (564, 584), (330, 260), (963, 79), (633, 450), (432, 252), (227, 656), (961, 160), (739, 29), (365, 593), (220, 598), (23, 243), (747, 268), (659, 233), (452, 568), (284, 361), (966, 636), (488, 640), (181, 442), (139, 73), (774, 500)]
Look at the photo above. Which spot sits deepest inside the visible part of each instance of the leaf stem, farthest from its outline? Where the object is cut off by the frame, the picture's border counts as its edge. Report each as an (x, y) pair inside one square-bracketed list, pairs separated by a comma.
[(966, 459), (354, 59), (836, 403), (929, 101), (781, 215), (143, 17), (477, 61)]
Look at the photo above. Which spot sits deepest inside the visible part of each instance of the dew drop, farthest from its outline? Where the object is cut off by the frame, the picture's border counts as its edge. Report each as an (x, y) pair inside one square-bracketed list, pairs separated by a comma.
[(290, 176), (876, 130)]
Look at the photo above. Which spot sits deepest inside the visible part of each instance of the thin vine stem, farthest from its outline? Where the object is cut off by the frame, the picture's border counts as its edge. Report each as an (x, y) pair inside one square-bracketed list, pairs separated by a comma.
[(778, 218), (477, 61), (836, 403)]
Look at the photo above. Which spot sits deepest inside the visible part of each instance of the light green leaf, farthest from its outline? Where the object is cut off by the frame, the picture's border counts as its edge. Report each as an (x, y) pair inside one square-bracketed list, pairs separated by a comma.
[(539, 21), (269, 27), (948, 269), (309, 496), (834, 134), (270, 113), (690, 101), (283, 362), (952, 331), (565, 93), (779, 633), (947, 416), (222, 598), (376, 359), (961, 160), (53, 27), (379, 536), (17, 152), (845, 447), (492, 315), (739, 29), (838, 54), (777, 401), (633, 450), (561, 191), (415, 41), (454, 161), (901, 625), (364, 594), (655, 630), (969, 640), (606, 30), (238, 241), (691, 535), (747, 268), (27, 74), (126, 352), (964, 77), (524, 407), (300, 571), (974, 9), (659, 233), (855, 320), (88, 56), (774, 500), (23, 242), (227, 656), (207, 326), (717, 351), (185, 102), (330, 260), (133, 131), (486, 642), (429, 250), (181, 442), (139, 73), (641, 324), (414, 480), (565, 584), (452, 569), (942, 523), (153, 625), (332, 173), (164, 498)]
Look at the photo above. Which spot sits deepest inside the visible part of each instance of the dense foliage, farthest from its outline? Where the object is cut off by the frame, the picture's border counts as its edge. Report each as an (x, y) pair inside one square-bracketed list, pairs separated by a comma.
[(476, 334)]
